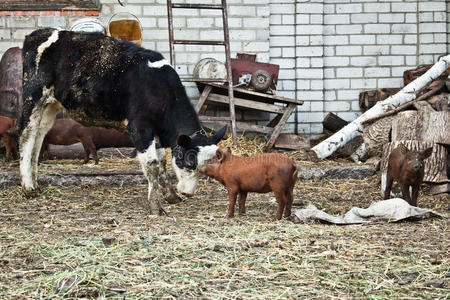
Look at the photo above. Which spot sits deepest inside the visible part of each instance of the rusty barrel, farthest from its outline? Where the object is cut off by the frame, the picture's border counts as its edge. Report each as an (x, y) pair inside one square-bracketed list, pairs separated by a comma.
[(11, 83)]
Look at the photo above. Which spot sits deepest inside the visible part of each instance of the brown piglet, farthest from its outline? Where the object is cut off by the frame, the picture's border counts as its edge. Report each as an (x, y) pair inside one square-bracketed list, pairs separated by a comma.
[(9, 137), (260, 173), (407, 168), (68, 132)]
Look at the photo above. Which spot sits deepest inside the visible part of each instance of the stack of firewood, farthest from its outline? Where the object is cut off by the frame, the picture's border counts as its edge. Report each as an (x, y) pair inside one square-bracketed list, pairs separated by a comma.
[(418, 124)]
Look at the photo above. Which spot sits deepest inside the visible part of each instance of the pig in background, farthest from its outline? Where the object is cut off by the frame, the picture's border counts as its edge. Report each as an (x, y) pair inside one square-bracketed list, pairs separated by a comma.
[(406, 167), (68, 132), (9, 137), (260, 173)]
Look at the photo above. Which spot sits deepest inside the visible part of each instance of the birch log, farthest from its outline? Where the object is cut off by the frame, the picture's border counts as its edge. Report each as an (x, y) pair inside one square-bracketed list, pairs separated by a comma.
[(407, 94)]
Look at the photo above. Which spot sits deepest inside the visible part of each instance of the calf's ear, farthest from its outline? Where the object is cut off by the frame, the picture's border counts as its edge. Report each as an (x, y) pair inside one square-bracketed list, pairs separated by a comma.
[(219, 134), (426, 153), (403, 149), (184, 141)]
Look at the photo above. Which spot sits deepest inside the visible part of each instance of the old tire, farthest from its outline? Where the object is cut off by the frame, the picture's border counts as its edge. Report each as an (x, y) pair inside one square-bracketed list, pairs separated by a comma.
[(261, 80)]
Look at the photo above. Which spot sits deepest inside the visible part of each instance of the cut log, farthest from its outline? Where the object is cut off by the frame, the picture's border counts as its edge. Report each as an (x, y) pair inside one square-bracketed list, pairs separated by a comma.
[(439, 189), (407, 94), (422, 97), (349, 148), (367, 99), (435, 165), (439, 102), (411, 75), (422, 126), (333, 123), (423, 106), (377, 135), (293, 142)]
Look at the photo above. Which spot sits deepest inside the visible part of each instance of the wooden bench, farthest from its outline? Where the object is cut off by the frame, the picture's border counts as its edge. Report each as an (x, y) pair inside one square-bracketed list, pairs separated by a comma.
[(282, 107)]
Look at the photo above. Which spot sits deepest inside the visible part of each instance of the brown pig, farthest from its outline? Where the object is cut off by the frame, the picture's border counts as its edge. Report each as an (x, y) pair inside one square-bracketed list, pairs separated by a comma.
[(407, 168), (9, 137), (260, 173), (68, 132)]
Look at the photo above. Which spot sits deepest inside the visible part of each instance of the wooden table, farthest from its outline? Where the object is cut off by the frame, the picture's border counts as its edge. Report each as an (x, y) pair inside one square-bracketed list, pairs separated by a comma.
[(218, 94)]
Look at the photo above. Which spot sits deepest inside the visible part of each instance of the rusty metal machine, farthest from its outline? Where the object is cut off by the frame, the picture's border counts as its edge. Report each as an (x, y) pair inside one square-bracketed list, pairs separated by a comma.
[(261, 77)]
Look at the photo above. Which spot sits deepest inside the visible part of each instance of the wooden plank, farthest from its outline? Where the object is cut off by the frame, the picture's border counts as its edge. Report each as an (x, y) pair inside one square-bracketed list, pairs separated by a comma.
[(247, 103), (279, 127), (439, 188), (292, 141), (242, 126), (274, 121), (202, 98), (259, 95), (214, 119)]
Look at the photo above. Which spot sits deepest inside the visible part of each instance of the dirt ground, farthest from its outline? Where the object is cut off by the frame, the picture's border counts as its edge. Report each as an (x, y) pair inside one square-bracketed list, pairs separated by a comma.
[(99, 242)]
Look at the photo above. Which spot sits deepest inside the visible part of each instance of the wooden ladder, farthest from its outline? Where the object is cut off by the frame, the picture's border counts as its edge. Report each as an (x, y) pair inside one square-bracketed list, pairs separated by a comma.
[(231, 119)]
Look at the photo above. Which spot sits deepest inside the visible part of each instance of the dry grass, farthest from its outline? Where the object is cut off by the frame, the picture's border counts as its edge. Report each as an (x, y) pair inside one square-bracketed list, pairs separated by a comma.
[(99, 242)]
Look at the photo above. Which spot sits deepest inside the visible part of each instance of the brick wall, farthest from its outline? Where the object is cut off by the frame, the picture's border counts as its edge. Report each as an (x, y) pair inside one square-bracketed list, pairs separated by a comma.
[(328, 50), (343, 47)]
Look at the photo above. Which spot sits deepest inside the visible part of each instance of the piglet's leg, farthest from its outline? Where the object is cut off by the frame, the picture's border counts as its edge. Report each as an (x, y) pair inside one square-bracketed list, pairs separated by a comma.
[(242, 198), (289, 200), (405, 193), (415, 194), (281, 203), (232, 195), (389, 180)]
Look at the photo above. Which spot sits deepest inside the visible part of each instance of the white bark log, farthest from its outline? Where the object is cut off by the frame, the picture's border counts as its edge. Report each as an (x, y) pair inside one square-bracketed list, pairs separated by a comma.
[(407, 94)]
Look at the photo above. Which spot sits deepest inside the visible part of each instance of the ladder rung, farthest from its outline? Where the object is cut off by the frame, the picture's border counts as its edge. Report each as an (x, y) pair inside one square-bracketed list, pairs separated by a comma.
[(214, 119), (200, 6), (198, 42), (190, 79)]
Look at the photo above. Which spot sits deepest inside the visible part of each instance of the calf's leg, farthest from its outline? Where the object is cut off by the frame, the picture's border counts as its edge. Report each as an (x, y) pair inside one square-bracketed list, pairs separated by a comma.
[(40, 122), (152, 161)]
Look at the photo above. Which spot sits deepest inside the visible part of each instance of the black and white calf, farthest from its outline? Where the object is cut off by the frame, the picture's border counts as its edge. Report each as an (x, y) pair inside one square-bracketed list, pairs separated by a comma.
[(114, 80)]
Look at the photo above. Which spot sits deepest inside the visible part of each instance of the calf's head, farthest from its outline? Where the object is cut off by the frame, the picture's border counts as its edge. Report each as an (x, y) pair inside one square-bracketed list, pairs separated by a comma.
[(414, 159), (191, 153)]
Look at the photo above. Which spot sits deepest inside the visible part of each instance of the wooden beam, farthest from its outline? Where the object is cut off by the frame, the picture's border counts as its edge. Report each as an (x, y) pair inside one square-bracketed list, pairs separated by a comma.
[(202, 98), (279, 127), (247, 103)]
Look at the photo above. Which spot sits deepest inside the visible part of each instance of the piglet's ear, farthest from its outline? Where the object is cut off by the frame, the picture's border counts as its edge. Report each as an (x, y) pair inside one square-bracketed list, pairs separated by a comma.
[(219, 155), (184, 141), (403, 149), (426, 153)]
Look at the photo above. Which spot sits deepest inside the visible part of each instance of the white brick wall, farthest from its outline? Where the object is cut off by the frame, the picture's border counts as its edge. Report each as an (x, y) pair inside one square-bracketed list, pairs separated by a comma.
[(367, 44), (328, 50)]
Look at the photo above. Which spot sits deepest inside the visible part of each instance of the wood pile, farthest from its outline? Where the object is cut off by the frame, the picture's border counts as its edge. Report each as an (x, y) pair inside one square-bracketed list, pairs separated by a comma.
[(417, 124)]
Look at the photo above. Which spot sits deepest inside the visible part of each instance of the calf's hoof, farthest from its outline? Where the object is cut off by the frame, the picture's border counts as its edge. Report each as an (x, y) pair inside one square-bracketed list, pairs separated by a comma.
[(174, 200), (31, 193)]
